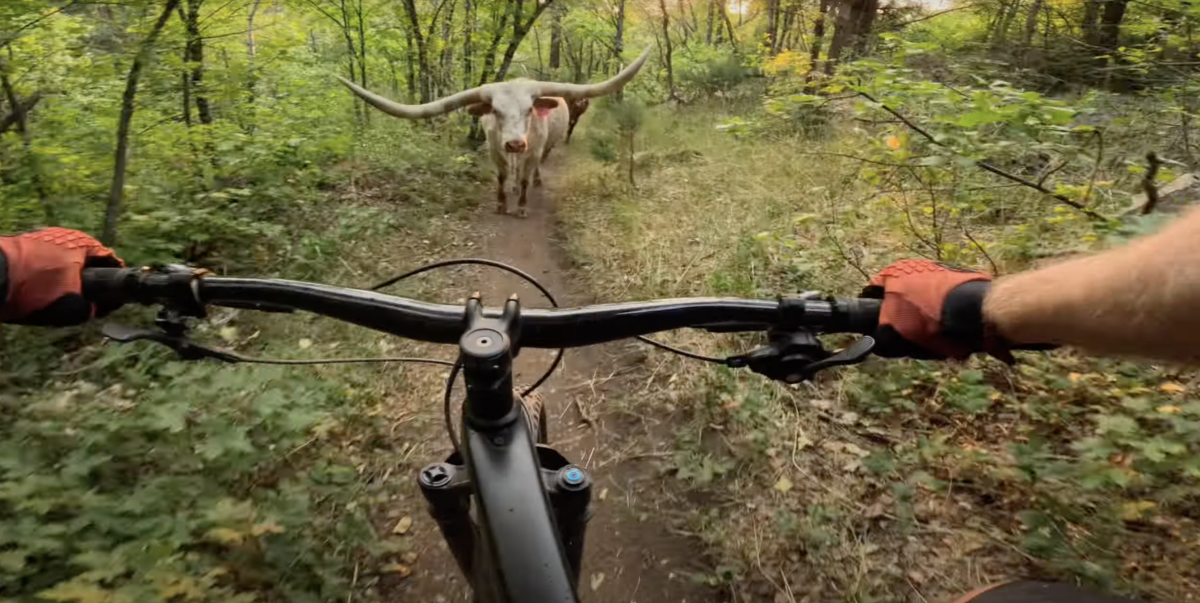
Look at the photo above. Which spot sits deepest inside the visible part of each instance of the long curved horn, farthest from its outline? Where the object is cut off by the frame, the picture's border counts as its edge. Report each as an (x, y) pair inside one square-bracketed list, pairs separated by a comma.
[(593, 90), (437, 107)]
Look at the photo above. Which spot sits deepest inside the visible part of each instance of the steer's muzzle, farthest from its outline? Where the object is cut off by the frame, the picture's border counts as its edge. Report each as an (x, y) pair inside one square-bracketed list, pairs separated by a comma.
[(515, 146)]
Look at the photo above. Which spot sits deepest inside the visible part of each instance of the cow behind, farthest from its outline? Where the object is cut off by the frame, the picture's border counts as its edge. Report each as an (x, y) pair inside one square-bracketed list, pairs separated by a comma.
[(576, 109), (524, 119)]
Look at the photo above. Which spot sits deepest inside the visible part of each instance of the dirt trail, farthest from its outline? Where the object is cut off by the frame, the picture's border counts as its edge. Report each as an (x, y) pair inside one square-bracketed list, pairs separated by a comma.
[(631, 554)]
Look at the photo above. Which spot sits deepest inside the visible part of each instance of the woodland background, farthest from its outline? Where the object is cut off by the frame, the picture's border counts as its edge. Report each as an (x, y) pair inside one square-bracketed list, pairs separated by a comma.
[(769, 146)]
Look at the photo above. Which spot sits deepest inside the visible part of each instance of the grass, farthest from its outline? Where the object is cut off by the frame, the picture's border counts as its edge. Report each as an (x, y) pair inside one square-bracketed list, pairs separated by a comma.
[(897, 480)]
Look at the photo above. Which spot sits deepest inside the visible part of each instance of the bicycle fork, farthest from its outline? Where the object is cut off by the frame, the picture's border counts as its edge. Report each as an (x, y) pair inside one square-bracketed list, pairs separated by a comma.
[(447, 488)]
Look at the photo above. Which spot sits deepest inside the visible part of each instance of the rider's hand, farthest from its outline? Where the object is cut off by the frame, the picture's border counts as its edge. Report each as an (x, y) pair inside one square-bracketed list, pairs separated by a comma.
[(933, 311), (44, 275)]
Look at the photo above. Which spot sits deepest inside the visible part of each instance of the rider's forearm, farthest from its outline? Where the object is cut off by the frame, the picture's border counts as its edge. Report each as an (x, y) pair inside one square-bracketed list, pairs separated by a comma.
[(1142, 299)]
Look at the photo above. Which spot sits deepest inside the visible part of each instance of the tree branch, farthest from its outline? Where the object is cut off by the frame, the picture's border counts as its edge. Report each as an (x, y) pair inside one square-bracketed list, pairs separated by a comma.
[(983, 165)]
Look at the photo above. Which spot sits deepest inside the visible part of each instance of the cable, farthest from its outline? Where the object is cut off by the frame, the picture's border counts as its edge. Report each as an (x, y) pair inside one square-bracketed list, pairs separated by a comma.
[(502, 266), (684, 353), (446, 406), (250, 360)]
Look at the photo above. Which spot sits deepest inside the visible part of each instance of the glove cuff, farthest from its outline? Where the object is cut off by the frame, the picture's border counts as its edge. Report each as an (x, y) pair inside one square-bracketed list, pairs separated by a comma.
[(962, 314)]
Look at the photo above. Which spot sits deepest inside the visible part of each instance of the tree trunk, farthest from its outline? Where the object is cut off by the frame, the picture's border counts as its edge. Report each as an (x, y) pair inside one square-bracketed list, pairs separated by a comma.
[(446, 77), (116, 192), (556, 37), (728, 24), (252, 71), (362, 46), (619, 36), (1110, 24), (708, 32), (1091, 22), (251, 47), (194, 57), (1031, 19), (520, 30), (772, 27), (19, 117), (410, 64), (814, 53), (468, 32), (852, 28), (414, 28), (666, 32)]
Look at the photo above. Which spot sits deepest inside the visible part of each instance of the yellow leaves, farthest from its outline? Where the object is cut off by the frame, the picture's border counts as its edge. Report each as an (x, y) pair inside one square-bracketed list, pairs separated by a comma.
[(266, 527), (77, 591), (182, 588), (225, 536), (893, 143), (1168, 410), (1137, 510), (1172, 388), (403, 525), (403, 571), (784, 485)]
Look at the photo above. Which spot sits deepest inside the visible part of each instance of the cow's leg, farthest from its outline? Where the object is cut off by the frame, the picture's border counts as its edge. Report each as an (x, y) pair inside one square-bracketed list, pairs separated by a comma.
[(501, 202), (521, 211), (537, 175)]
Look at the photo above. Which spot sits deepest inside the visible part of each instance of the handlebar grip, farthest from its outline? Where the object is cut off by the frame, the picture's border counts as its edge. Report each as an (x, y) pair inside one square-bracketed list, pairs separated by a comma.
[(109, 287), (861, 314)]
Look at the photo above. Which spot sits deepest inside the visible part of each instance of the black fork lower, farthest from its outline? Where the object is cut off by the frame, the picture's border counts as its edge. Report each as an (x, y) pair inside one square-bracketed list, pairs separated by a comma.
[(447, 488)]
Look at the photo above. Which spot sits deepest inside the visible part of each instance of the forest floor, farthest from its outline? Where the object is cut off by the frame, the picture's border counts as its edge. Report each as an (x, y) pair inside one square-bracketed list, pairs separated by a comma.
[(632, 552)]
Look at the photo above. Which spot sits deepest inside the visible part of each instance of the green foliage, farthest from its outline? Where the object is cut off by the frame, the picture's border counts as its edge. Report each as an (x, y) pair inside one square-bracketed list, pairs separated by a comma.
[(188, 481)]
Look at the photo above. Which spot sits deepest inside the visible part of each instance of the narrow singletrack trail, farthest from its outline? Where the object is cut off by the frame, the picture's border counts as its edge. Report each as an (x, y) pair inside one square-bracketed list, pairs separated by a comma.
[(631, 555)]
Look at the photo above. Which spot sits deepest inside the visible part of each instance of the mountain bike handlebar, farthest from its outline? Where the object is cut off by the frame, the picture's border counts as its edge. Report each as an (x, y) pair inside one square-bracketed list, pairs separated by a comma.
[(189, 290)]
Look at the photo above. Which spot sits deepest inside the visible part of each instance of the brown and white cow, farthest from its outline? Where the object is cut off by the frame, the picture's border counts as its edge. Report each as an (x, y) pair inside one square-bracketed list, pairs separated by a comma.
[(523, 119)]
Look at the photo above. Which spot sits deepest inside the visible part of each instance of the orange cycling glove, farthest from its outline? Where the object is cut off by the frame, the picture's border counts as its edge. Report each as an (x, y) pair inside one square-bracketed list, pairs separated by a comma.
[(933, 311), (43, 274)]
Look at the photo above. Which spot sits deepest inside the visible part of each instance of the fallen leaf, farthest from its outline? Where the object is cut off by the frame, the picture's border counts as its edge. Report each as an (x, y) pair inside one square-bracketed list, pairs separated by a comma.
[(267, 527), (603, 494), (783, 485), (893, 142), (397, 568), (1168, 410), (403, 525), (916, 576), (305, 343), (409, 557), (1172, 388), (229, 334), (1136, 510), (597, 580), (1074, 377), (225, 536)]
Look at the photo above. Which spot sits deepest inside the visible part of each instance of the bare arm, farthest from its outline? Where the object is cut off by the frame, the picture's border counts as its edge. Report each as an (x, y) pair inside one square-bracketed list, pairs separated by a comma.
[(1142, 299)]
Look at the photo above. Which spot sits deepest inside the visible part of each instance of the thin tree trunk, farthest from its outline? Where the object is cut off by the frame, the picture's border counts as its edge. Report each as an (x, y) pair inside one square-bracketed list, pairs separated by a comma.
[(468, 32), (666, 32), (116, 192), (252, 72), (362, 45), (556, 37), (814, 53), (446, 75), (19, 117), (619, 36), (414, 26), (194, 55), (708, 32), (251, 45), (520, 30), (1031, 19), (728, 24), (772, 26)]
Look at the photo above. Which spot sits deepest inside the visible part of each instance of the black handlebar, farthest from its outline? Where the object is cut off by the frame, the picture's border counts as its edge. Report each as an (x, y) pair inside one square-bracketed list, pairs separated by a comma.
[(188, 291)]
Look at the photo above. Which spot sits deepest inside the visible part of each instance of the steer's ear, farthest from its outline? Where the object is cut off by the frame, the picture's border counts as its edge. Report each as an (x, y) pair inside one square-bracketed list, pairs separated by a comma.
[(479, 108), (544, 105)]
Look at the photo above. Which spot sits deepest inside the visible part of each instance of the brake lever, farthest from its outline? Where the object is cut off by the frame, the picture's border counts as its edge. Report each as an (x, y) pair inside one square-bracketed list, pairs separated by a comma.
[(795, 356), (184, 347)]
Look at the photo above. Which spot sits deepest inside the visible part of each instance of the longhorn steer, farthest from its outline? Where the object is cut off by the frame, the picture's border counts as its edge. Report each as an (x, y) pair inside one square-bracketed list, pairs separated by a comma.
[(523, 119)]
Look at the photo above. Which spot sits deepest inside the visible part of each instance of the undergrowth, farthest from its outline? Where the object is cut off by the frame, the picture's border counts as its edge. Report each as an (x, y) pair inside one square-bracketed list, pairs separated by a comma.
[(895, 480)]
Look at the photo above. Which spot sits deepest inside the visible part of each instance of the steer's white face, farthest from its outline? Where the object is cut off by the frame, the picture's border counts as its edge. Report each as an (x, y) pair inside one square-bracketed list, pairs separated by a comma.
[(513, 107)]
